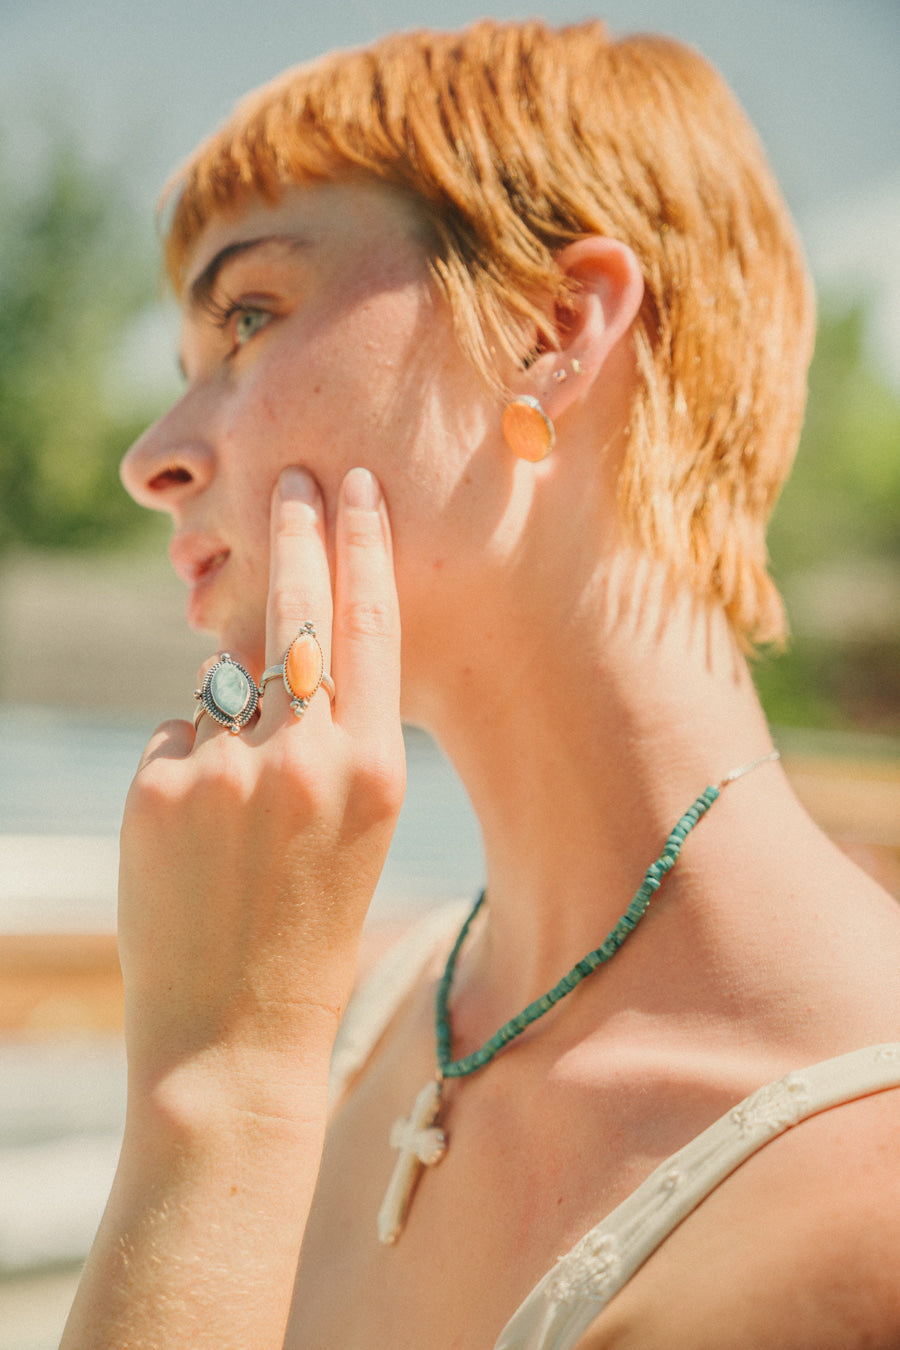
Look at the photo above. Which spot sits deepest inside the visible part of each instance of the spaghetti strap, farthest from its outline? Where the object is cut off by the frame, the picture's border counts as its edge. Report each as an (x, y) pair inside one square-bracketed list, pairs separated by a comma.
[(571, 1295)]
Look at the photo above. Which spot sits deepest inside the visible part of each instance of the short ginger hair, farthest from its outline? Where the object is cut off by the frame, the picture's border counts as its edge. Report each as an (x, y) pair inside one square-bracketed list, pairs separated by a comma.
[(514, 140)]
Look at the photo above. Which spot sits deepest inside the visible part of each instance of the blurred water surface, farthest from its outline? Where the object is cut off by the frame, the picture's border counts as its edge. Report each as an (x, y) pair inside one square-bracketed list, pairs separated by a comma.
[(63, 781)]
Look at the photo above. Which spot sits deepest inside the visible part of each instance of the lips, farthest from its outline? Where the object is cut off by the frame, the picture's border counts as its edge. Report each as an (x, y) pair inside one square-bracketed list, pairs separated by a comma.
[(199, 560), (197, 557)]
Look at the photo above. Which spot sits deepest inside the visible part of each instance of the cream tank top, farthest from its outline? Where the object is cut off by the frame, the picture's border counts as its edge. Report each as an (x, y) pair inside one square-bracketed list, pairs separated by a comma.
[(571, 1295)]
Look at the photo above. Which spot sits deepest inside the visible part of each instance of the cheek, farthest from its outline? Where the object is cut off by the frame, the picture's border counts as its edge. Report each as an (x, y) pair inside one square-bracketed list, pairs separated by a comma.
[(304, 403), (375, 385), (273, 419)]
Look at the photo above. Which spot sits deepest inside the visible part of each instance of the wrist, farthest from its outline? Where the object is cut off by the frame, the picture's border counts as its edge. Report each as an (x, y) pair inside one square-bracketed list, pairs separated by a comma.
[(189, 1079)]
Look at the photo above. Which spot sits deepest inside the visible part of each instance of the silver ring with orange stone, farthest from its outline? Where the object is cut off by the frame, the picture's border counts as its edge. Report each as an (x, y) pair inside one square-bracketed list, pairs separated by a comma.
[(302, 670)]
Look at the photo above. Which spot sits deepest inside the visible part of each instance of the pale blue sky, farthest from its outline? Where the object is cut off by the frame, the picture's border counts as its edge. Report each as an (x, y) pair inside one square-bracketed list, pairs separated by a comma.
[(821, 78)]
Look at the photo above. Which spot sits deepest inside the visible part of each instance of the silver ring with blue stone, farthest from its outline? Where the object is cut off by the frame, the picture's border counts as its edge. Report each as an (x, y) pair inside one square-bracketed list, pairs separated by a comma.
[(227, 694)]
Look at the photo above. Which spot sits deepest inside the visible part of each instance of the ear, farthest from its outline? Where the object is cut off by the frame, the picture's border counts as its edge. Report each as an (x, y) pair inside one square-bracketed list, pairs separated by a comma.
[(608, 288)]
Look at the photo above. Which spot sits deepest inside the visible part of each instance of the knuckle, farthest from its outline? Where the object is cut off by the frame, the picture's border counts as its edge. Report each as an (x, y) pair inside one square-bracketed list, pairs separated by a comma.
[(300, 788), (157, 795), (224, 780), (368, 618), (289, 607), (160, 766), (148, 794), (380, 785), (296, 519), (291, 779), (167, 741), (212, 785), (362, 529)]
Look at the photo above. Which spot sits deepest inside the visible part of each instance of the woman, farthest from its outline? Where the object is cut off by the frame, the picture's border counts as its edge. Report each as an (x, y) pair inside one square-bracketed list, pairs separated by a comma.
[(504, 333)]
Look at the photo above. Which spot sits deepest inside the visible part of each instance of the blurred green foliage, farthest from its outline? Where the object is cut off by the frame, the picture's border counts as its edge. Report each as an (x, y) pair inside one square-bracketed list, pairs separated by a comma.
[(71, 279), (835, 543), (844, 493)]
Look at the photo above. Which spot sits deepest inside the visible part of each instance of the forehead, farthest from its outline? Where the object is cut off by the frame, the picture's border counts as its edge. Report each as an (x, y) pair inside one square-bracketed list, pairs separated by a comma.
[(331, 219)]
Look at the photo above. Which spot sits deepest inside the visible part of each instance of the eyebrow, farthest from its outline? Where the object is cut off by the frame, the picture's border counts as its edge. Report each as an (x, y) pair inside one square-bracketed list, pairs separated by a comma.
[(201, 288)]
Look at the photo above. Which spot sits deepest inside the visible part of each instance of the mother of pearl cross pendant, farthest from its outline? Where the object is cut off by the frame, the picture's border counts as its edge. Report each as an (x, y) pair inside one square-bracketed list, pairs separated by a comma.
[(421, 1145)]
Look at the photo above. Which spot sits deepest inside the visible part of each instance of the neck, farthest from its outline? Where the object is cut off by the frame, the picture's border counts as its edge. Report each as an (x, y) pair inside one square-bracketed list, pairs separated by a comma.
[(579, 757)]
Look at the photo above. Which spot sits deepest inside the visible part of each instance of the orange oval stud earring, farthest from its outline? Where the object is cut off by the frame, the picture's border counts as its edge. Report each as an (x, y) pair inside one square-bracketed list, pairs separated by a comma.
[(527, 429)]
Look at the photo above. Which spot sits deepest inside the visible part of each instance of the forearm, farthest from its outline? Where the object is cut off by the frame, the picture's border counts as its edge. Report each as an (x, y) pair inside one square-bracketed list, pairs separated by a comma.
[(200, 1240), (248, 863)]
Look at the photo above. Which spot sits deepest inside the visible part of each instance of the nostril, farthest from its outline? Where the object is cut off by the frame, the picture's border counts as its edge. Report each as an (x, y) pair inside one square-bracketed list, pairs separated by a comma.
[(169, 478)]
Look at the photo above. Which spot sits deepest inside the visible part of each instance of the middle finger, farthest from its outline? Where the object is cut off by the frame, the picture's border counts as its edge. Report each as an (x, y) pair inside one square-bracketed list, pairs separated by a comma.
[(299, 579)]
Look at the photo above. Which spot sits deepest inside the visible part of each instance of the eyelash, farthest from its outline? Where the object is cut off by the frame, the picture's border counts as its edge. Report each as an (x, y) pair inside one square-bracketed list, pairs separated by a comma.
[(222, 312)]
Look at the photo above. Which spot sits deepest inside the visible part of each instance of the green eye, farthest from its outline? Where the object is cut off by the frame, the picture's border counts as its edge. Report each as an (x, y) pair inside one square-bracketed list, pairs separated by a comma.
[(247, 324)]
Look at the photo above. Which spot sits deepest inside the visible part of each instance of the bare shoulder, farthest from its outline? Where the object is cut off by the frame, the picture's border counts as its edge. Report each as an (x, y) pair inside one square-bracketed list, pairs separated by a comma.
[(799, 1248)]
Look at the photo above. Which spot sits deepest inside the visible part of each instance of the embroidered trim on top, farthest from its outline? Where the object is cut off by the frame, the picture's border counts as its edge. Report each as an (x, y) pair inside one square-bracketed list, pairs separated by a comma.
[(775, 1106), (588, 1270)]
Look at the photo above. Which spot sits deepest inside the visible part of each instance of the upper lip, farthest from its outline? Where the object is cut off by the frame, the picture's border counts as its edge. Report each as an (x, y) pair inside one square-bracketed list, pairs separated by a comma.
[(193, 555)]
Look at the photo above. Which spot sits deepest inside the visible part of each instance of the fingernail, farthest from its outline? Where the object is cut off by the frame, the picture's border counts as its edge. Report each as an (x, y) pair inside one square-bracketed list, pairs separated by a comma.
[(298, 485), (361, 489)]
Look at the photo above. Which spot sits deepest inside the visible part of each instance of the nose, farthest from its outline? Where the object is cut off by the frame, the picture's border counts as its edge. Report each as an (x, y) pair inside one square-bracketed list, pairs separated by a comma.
[(168, 464)]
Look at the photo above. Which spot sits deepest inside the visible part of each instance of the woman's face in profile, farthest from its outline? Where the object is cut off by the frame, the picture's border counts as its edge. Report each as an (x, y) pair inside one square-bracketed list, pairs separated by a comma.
[(313, 335)]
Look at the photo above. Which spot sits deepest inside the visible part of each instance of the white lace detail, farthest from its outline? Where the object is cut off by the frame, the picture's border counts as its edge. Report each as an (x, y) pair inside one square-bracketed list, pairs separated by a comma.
[(587, 1271), (671, 1180), (774, 1107), (558, 1310)]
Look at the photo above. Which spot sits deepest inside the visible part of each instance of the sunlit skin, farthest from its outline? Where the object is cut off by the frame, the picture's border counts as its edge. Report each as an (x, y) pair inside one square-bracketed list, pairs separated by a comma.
[(352, 359), (585, 701), (310, 347), (324, 344)]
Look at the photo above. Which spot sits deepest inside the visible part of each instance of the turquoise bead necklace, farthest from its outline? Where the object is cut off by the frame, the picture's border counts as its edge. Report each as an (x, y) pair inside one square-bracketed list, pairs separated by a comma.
[(420, 1142), (461, 1068)]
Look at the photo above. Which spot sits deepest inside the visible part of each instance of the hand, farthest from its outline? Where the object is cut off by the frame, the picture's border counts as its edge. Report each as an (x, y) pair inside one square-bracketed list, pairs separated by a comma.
[(248, 862)]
